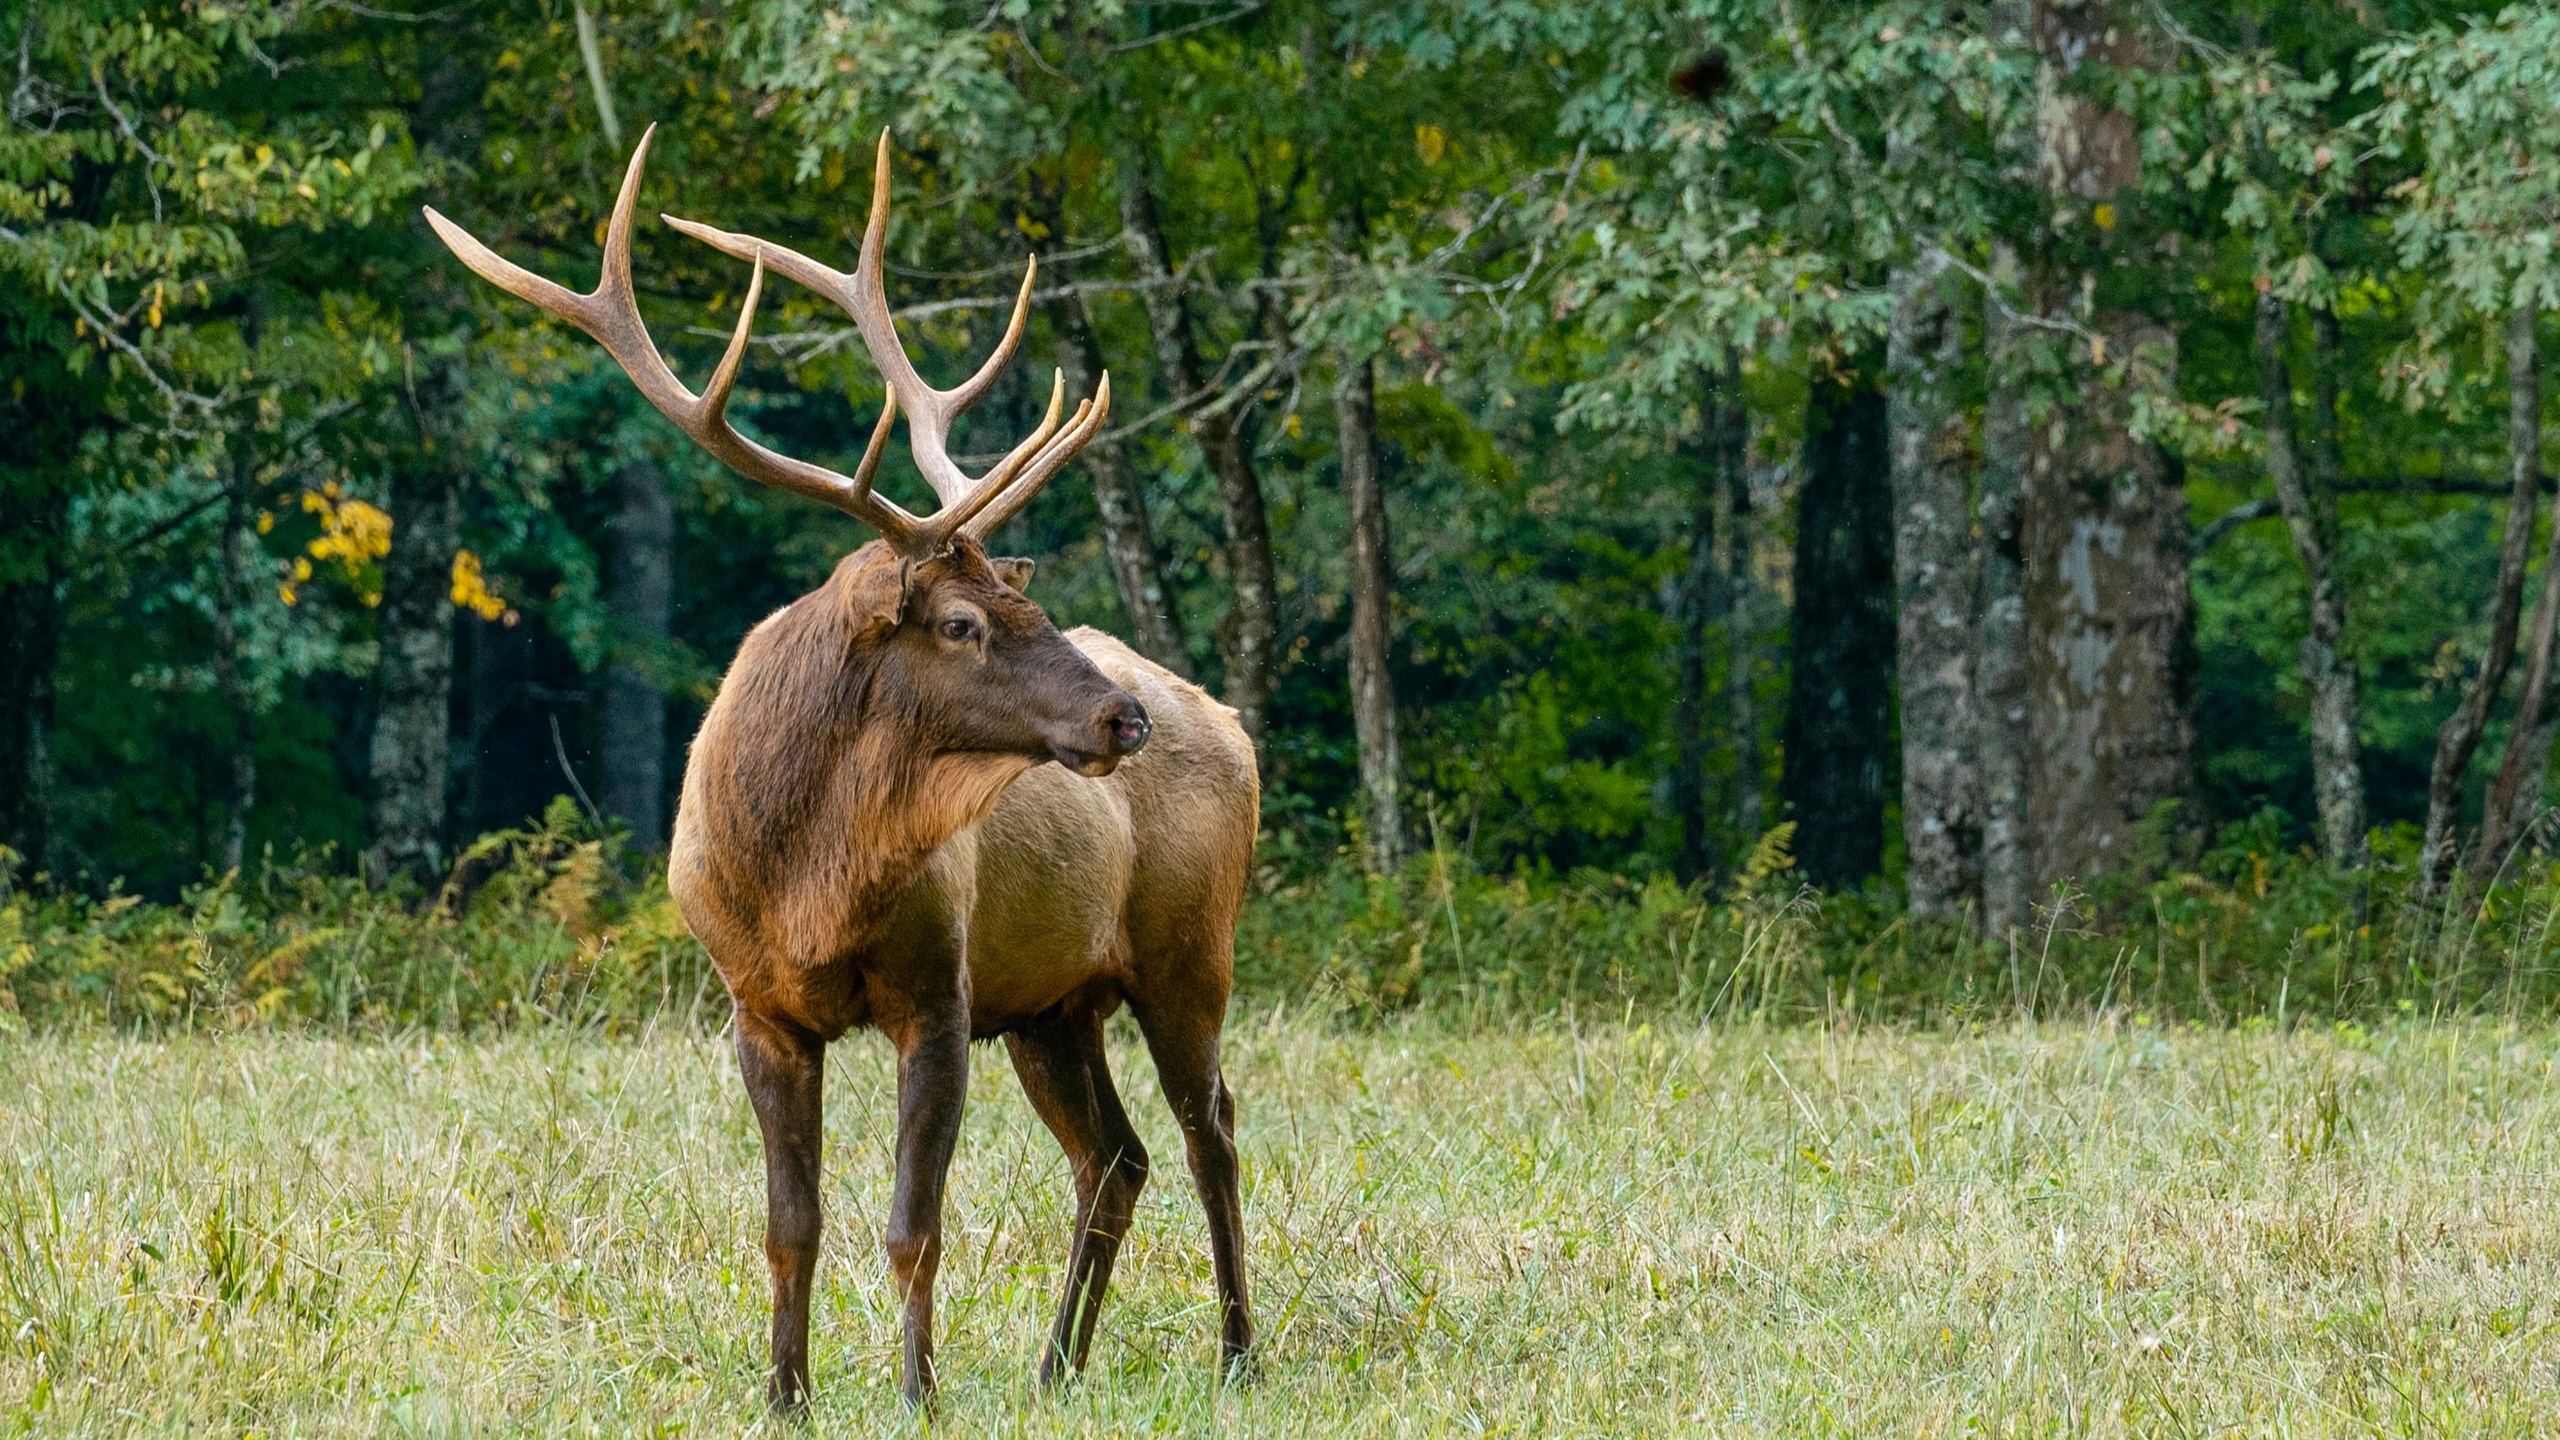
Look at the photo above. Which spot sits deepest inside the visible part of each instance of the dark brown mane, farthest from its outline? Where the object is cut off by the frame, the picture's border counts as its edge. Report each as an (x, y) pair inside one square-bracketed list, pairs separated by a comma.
[(820, 758)]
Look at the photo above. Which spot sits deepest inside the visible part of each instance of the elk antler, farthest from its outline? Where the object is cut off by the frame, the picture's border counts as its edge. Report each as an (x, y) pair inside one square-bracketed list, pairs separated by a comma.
[(611, 315)]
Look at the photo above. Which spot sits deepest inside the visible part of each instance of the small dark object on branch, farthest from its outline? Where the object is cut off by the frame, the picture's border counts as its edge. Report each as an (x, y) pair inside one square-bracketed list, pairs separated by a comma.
[(1704, 78)]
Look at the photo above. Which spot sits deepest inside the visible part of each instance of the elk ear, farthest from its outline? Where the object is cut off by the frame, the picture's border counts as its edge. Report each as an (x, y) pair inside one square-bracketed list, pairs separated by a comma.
[(874, 596), (1012, 571)]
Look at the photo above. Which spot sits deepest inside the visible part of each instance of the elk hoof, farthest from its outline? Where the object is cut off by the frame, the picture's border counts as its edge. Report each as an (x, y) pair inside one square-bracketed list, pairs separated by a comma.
[(787, 1397)]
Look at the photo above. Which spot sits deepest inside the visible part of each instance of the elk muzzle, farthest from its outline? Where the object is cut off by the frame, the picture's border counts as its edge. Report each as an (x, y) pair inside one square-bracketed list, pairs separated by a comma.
[(1117, 730)]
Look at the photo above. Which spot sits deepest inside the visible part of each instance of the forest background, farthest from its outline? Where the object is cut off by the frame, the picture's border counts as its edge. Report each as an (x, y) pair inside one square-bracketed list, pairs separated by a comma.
[(1641, 453)]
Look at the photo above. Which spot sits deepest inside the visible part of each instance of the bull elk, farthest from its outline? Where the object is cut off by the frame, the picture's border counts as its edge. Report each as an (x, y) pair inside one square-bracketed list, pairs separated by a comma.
[(869, 834)]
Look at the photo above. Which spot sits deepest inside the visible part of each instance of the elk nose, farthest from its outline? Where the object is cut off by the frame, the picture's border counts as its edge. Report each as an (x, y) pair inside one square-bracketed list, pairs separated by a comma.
[(1125, 721)]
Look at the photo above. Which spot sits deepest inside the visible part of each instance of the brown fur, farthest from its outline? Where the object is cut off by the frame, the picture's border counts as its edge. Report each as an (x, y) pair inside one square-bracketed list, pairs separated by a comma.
[(870, 836)]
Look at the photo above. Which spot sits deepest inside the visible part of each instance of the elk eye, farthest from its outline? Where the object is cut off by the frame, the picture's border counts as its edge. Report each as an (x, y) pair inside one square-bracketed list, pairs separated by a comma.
[(960, 627)]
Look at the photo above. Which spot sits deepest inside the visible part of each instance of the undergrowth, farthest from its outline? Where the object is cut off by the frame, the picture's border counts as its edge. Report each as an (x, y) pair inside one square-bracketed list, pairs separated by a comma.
[(557, 923)]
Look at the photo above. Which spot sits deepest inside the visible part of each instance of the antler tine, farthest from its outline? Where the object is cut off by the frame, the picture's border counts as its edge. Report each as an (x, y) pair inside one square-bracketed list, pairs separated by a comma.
[(1088, 423), (610, 314), (871, 453), (974, 388), (863, 296), (971, 507), (1001, 476), (724, 376)]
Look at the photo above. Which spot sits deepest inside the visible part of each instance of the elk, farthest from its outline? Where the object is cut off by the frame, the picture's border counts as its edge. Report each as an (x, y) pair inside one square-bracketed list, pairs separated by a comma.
[(870, 833)]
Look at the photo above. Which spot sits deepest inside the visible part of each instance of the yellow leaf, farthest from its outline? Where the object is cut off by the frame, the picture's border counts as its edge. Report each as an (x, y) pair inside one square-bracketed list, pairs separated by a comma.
[(1431, 141), (471, 588), (1291, 425), (2105, 215)]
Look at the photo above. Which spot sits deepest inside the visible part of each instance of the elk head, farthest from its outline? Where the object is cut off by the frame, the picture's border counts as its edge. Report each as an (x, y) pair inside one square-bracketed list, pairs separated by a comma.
[(950, 629)]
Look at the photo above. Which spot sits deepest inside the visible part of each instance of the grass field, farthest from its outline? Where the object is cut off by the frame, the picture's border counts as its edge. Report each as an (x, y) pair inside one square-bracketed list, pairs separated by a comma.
[(1605, 1231)]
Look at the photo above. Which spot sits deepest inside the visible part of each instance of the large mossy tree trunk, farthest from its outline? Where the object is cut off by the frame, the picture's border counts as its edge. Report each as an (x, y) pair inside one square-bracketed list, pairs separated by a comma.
[(641, 596), (1936, 588), (1839, 698), (2102, 516)]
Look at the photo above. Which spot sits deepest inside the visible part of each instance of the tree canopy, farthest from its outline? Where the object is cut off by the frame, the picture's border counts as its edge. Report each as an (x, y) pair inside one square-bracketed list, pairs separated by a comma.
[(1610, 380)]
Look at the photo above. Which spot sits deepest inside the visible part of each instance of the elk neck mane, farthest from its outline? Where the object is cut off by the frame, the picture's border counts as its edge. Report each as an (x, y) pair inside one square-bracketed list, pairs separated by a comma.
[(828, 763)]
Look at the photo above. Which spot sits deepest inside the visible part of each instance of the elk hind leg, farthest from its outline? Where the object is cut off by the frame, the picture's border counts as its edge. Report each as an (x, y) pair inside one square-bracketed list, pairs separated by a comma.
[(1182, 1034), (784, 1069), (1067, 1077)]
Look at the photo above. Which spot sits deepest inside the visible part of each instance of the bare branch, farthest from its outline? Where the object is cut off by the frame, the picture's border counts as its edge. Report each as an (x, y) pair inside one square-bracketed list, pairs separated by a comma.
[(1238, 13)]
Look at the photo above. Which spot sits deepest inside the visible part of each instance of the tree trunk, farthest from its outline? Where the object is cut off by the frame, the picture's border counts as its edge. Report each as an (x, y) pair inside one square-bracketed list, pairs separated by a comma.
[(1999, 638), (1741, 615), (2528, 748), (410, 724), (2102, 523), (1373, 588), (1935, 585), (642, 595), (2459, 737), (1128, 537), (1254, 623), (2108, 633), (2311, 513), (230, 670), (1839, 707), (30, 646), (1703, 599), (2343, 710)]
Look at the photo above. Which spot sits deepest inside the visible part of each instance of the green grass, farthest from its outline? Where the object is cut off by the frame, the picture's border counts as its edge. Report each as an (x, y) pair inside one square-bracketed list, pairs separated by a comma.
[(2099, 1228)]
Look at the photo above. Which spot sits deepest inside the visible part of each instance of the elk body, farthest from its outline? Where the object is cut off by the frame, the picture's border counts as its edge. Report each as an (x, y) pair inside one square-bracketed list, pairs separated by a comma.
[(872, 833)]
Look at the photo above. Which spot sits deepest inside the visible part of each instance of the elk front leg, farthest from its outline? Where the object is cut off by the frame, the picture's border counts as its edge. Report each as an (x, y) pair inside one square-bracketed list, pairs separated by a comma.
[(783, 1070), (933, 1083)]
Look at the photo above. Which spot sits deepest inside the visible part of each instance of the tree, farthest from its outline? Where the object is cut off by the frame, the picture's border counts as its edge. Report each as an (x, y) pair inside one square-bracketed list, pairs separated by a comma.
[(2102, 518), (1839, 699), (188, 192), (1373, 588), (641, 596), (1936, 583), (2470, 107)]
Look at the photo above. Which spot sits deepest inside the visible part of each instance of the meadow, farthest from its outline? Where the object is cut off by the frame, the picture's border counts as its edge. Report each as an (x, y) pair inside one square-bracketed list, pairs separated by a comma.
[(1548, 1227), (2256, 1148)]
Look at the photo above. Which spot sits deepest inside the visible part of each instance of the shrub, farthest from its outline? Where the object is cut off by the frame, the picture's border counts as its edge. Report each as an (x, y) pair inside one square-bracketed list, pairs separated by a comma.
[(556, 923), (539, 923)]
